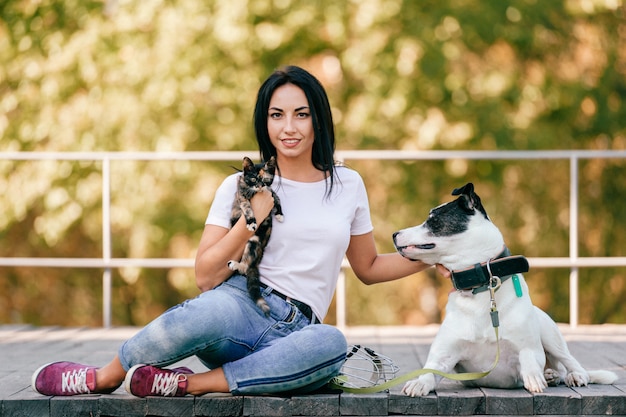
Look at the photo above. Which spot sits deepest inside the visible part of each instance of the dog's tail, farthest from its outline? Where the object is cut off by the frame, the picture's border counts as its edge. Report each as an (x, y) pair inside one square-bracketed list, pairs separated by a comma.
[(602, 377)]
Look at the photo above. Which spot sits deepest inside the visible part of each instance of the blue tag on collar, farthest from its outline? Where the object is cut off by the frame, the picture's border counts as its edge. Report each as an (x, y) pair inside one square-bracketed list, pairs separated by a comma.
[(517, 285)]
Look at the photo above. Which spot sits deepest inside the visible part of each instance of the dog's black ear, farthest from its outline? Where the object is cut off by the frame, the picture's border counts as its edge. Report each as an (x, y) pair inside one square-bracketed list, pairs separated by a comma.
[(467, 189), (468, 198)]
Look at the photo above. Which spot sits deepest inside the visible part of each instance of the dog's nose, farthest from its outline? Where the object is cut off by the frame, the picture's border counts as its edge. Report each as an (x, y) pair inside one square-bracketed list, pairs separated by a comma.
[(394, 235)]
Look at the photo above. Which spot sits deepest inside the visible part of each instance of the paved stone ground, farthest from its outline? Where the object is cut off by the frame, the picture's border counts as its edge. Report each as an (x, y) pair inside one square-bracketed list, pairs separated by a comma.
[(24, 348)]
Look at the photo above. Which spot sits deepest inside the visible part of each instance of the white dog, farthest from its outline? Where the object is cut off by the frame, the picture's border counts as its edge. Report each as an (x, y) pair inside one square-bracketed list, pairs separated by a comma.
[(460, 236)]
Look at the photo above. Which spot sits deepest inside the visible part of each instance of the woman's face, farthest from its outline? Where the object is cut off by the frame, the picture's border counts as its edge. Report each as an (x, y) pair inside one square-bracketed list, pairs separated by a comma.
[(289, 123)]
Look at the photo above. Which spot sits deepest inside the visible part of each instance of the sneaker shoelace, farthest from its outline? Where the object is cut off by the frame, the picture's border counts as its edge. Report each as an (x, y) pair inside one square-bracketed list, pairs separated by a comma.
[(166, 384), (75, 381)]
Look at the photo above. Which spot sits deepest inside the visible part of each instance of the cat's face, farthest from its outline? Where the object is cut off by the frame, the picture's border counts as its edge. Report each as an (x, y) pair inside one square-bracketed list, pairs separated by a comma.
[(259, 175)]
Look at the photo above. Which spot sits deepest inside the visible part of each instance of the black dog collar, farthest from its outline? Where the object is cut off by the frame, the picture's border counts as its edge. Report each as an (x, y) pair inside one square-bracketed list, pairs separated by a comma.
[(477, 277)]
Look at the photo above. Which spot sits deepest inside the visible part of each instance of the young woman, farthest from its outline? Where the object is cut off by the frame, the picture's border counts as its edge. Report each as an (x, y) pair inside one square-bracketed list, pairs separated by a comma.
[(326, 216)]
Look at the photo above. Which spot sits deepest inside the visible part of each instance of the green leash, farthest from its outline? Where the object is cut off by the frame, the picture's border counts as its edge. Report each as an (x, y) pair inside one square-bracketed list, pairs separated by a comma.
[(337, 383)]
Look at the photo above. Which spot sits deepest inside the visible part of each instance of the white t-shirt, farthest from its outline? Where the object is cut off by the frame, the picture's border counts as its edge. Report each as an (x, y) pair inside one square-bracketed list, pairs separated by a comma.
[(304, 254)]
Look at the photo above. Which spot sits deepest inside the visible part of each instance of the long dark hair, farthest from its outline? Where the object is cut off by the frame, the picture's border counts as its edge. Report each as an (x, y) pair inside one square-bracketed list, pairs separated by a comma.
[(324, 143)]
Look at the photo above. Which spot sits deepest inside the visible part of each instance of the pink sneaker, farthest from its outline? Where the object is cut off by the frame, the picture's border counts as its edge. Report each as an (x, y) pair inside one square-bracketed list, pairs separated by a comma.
[(146, 380), (64, 378)]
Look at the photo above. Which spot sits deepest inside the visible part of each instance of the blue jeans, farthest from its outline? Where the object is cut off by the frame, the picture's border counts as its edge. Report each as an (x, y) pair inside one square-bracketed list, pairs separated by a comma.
[(259, 354)]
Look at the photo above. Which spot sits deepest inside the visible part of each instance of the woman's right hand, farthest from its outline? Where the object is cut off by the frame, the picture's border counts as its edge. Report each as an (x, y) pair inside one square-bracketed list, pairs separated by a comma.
[(218, 245), (262, 204)]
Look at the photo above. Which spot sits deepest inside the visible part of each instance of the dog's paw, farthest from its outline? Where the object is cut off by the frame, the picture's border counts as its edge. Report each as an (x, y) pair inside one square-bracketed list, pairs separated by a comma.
[(418, 388), (534, 382), (576, 379), (552, 377)]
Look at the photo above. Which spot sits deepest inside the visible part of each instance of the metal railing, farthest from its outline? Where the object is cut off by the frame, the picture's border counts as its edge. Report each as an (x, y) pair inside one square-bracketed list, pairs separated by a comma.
[(108, 263)]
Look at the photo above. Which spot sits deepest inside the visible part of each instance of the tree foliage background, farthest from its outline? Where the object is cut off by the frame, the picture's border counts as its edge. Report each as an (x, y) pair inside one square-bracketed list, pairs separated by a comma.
[(166, 75)]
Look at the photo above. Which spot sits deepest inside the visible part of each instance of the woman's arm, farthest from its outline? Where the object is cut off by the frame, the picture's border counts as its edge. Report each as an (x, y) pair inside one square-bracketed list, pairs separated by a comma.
[(219, 245), (372, 268)]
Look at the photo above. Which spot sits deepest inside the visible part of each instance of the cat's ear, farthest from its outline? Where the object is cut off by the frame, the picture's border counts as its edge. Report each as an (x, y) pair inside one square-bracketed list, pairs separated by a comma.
[(272, 162), (247, 163)]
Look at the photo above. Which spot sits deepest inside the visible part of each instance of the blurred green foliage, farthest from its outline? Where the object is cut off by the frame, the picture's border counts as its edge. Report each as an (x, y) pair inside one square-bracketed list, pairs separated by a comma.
[(165, 75)]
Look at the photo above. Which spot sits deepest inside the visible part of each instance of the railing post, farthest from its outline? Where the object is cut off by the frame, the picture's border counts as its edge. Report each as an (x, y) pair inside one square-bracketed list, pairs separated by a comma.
[(106, 241), (340, 290), (573, 242), (340, 299)]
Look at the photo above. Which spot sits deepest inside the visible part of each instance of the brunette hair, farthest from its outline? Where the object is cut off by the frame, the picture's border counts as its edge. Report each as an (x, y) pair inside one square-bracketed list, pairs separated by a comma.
[(322, 118)]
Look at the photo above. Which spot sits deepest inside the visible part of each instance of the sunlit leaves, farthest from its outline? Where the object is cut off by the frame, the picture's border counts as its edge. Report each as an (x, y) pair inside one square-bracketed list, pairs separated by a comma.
[(157, 75)]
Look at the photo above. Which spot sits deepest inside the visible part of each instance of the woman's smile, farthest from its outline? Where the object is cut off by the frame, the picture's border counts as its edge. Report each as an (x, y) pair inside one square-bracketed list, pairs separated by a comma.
[(290, 143)]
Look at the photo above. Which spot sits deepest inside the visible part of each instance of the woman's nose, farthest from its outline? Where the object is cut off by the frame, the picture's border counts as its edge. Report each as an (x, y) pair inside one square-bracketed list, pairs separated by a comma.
[(289, 125)]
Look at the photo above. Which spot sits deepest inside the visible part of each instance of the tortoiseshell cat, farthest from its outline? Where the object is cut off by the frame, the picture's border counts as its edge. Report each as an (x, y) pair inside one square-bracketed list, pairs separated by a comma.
[(255, 177)]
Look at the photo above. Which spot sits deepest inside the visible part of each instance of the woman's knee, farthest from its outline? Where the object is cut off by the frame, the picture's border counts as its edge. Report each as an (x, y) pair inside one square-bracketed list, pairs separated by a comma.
[(329, 340)]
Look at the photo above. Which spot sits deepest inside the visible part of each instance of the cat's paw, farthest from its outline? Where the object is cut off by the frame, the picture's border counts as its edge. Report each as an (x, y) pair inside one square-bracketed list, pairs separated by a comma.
[(251, 227), (238, 267), (279, 217)]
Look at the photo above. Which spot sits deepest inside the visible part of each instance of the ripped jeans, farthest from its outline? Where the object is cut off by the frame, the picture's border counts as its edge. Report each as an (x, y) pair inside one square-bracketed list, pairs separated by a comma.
[(259, 354)]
